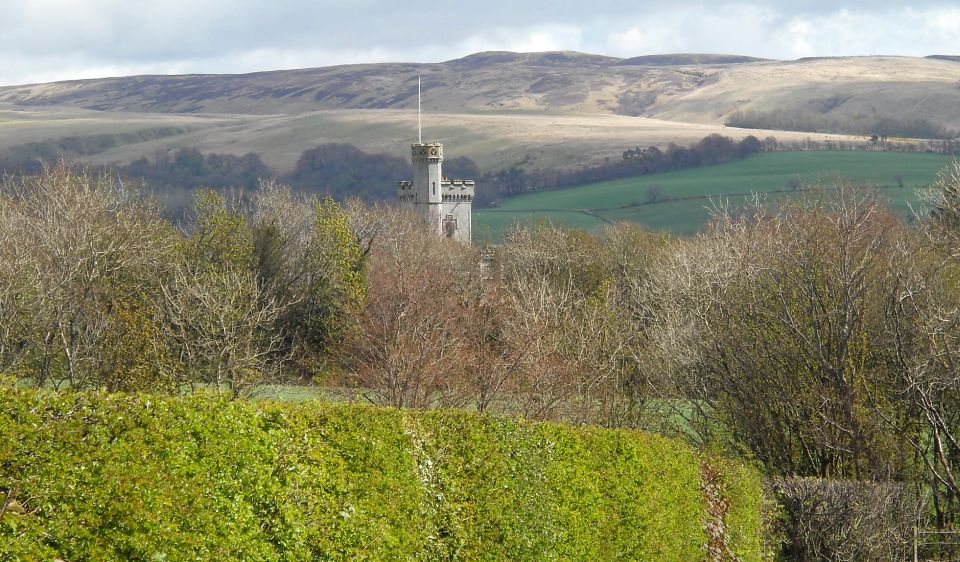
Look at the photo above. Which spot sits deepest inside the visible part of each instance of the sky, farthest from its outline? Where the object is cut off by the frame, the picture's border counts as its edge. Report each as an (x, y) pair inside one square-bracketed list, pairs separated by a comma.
[(48, 40)]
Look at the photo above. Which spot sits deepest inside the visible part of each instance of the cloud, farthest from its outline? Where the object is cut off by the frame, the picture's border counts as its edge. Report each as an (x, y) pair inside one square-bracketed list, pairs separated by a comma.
[(740, 29), (78, 67), (761, 31), (61, 39), (549, 37), (900, 31)]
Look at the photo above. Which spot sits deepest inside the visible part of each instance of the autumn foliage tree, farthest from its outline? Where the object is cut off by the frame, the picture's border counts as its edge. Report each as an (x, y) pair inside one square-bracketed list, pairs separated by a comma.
[(408, 343)]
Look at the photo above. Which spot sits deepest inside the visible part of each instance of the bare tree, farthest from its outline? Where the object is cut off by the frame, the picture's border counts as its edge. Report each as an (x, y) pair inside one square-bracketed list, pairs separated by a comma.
[(645, 389), (218, 311), (653, 193), (223, 327), (560, 301), (847, 521), (791, 329), (406, 348), (310, 261), (75, 247), (923, 320)]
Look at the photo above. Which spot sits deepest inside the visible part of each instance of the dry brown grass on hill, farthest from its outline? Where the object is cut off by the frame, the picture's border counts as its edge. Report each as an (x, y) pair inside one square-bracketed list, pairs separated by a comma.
[(493, 140), (537, 110), (552, 82)]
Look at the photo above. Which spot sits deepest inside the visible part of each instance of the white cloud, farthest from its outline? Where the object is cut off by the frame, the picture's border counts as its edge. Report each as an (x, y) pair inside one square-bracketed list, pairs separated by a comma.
[(547, 37), (900, 31), (291, 58), (738, 28), (78, 67), (61, 39), (761, 31)]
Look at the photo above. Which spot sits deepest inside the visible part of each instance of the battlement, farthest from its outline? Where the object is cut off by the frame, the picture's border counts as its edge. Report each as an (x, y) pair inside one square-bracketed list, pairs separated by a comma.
[(426, 152), (457, 190), (444, 203), (451, 190), (405, 192)]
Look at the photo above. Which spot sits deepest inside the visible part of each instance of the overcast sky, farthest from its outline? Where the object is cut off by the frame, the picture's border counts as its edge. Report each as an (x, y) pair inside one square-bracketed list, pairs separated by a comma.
[(45, 40)]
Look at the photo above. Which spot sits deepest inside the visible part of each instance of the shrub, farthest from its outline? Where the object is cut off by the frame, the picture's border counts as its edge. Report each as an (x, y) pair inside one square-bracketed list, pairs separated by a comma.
[(115, 477), (846, 520)]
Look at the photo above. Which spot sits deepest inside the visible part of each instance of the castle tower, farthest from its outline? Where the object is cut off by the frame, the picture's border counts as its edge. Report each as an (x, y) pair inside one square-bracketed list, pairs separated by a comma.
[(445, 204)]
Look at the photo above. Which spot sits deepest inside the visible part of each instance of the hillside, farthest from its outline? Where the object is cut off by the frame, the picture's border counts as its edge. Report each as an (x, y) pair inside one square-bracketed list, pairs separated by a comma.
[(484, 81), (692, 88), (493, 140), (679, 201), (553, 109), (688, 59)]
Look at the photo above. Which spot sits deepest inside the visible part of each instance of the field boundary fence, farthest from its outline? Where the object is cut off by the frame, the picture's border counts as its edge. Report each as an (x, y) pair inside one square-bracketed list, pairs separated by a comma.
[(936, 545)]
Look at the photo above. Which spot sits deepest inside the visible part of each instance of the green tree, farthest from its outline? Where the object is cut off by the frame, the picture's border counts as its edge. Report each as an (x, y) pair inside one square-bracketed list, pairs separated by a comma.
[(309, 259), (220, 237), (337, 284), (223, 324)]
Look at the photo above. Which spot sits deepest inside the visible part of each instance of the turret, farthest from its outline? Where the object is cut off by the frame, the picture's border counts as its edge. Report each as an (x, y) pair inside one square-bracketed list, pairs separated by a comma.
[(444, 204), (427, 171)]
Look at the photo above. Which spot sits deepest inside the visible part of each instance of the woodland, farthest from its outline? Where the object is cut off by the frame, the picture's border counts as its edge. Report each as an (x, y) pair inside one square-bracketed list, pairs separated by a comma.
[(816, 340)]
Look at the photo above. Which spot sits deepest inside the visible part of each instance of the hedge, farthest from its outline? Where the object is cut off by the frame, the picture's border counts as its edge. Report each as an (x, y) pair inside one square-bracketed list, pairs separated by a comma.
[(121, 477)]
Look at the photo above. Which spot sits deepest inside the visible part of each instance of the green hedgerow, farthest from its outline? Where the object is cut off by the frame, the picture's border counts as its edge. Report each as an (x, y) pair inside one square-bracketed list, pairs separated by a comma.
[(120, 477)]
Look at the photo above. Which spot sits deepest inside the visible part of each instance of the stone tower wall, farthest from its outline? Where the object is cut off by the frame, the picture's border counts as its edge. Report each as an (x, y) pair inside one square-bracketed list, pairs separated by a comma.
[(445, 205), (456, 209)]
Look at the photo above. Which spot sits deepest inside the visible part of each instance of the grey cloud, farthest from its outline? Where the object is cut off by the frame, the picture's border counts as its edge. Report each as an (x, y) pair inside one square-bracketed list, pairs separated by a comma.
[(43, 37)]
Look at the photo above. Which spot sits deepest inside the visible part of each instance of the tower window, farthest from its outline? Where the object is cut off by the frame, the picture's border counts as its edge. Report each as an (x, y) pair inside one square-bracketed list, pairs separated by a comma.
[(434, 188)]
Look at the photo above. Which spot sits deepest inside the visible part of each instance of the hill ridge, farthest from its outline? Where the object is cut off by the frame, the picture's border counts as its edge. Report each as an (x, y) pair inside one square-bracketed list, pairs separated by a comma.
[(693, 88), (503, 109)]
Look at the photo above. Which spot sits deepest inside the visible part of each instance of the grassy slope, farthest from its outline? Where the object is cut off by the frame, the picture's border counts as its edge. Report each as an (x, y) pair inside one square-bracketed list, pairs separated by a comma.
[(692, 89), (536, 110), (764, 173), (494, 140)]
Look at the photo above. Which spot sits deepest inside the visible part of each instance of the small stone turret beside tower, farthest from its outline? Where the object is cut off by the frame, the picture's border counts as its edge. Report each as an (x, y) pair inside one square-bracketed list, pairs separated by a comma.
[(445, 204)]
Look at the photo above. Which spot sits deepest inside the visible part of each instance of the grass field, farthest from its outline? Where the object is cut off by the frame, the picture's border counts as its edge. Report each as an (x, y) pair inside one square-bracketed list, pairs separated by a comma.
[(493, 139), (685, 196)]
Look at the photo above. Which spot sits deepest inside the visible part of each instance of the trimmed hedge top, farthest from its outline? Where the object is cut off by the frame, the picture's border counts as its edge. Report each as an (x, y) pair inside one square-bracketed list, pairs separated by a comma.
[(118, 477)]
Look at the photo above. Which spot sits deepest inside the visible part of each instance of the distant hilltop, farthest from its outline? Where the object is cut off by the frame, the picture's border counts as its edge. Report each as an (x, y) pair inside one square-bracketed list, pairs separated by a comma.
[(685, 59), (696, 88), (557, 109)]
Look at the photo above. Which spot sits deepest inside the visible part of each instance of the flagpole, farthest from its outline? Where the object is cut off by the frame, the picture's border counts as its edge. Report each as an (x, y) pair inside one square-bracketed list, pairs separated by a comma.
[(419, 126)]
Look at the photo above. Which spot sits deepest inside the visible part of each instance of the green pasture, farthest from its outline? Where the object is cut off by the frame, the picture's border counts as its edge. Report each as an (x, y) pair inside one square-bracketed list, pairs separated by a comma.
[(488, 224), (686, 195)]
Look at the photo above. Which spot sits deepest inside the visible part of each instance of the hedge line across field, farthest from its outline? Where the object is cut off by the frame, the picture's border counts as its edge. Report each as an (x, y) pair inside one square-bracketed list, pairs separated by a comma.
[(119, 477)]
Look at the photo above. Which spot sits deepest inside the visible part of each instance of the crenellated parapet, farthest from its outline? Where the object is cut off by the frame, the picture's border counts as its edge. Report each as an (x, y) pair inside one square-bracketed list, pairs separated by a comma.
[(444, 203), (451, 190), (458, 190), (405, 191), (426, 153)]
